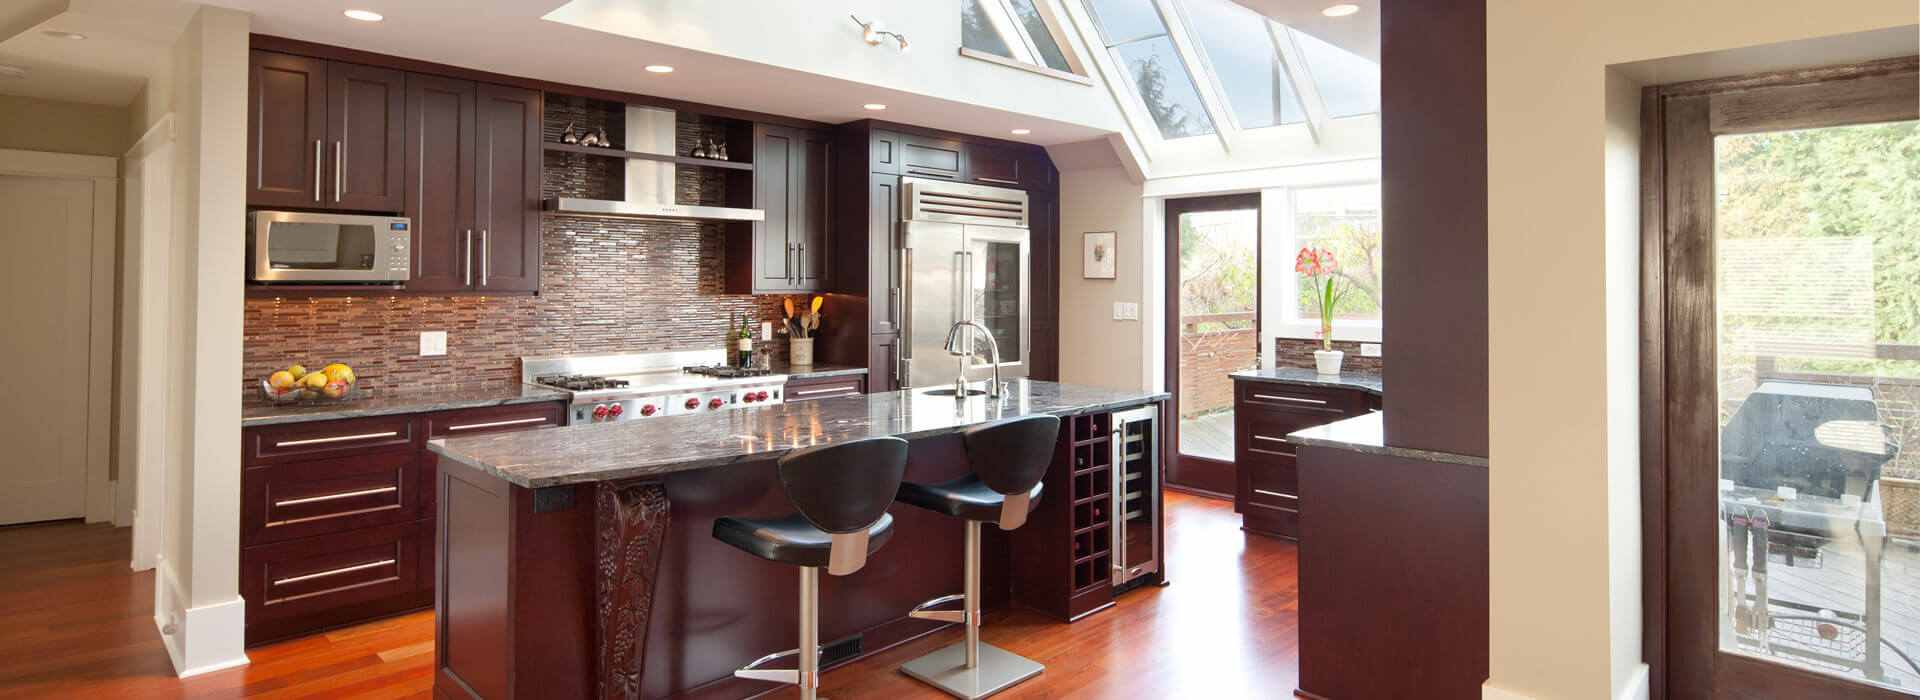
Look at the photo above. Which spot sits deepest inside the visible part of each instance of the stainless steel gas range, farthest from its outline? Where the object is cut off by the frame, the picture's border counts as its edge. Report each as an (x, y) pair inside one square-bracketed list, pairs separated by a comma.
[(610, 388)]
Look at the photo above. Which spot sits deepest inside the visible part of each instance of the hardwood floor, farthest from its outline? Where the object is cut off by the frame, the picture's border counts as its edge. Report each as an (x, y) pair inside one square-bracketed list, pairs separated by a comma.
[(75, 624)]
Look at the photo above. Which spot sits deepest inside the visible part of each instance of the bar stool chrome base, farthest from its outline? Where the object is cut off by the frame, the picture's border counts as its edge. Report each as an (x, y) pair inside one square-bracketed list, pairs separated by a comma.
[(947, 670), (968, 669)]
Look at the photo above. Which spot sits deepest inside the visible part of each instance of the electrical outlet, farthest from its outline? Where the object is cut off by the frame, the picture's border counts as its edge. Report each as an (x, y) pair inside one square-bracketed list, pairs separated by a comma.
[(1129, 311), (1369, 349), (433, 343), (766, 331)]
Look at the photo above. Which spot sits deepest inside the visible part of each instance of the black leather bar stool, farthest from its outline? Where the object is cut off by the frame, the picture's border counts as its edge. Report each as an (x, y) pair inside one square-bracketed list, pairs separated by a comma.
[(1009, 458), (842, 492)]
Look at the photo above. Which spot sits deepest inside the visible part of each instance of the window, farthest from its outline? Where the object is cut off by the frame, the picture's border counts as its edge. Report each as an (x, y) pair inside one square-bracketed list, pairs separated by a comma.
[(1137, 37), (1015, 30), (1244, 65), (1349, 85), (1346, 220)]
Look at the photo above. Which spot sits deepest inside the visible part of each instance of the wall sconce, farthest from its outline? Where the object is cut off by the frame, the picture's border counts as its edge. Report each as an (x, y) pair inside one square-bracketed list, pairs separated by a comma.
[(873, 33)]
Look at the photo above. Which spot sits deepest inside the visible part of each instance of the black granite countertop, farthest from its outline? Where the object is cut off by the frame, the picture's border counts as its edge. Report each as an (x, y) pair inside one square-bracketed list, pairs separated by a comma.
[(818, 370), (1367, 434), (256, 411), (1299, 376), (659, 446)]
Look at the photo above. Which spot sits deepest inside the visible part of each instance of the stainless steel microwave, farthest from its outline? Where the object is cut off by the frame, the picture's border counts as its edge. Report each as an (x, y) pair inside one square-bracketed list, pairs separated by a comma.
[(289, 246)]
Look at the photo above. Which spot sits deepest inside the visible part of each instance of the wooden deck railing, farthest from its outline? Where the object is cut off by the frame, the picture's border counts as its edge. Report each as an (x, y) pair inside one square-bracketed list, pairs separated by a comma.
[(1190, 324)]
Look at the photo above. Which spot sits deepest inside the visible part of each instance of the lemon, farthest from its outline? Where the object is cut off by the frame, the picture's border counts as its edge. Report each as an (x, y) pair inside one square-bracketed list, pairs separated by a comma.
[(281, 380), (298, 371), (314, 380)]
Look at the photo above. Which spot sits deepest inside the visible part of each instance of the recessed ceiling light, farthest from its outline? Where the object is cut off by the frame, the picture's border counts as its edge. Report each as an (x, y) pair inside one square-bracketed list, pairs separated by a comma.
[(659, 68), (1340, 10), (7, 71), (364, 15), (57, 34), (874, 106), (1022, 132)]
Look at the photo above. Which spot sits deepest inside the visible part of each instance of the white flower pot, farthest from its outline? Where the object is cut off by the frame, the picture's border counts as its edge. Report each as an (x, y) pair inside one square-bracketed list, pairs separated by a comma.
[(1328, 361), (800, 352)]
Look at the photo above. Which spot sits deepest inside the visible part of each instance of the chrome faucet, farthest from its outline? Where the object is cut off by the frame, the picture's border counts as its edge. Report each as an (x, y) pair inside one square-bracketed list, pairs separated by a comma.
[(995, 389)]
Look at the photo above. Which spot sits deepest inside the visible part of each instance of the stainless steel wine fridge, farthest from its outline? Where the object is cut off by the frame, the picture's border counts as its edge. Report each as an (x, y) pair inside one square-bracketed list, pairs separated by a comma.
[(1136, 505)]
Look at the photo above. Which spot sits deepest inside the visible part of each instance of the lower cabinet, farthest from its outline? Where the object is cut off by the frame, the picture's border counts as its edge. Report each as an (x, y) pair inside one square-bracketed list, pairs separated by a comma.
[(1267, 494), (337, 517)]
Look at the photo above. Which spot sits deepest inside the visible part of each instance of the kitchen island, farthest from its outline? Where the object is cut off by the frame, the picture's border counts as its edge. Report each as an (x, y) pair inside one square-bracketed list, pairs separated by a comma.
[(578, 562)]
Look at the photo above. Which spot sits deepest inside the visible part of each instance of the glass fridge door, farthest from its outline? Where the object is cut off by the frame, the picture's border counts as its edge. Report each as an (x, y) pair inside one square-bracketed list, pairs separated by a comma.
[(998, 292)]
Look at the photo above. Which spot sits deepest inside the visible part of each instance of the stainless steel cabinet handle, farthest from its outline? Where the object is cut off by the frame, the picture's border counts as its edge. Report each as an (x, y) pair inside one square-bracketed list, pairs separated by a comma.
[(319, 162), (337, 438), (1118, 528), (339, 170), (334, 496), (1294, 399), (996, 180), (498, 423), (332, 572), (834, 390), (469, 281), (1276, 494), (1269, 438), (486, 257), (801, 259)]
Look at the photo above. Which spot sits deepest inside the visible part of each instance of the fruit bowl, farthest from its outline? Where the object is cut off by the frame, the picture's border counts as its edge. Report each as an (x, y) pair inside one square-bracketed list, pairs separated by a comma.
[(334, 384), (301, 393)]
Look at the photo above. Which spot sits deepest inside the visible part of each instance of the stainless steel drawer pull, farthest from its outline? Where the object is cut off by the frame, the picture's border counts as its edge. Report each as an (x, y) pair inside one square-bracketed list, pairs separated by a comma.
[(334, 496), (835, 390), (1276, 494), (1295, 399), (337, 438), (996, 180), (497, 424), (1269, 438), (318, 163), (333, 572), (1275, 453)]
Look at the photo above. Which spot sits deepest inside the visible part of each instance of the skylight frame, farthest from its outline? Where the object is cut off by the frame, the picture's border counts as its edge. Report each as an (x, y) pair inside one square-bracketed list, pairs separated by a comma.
[(1005, 21)]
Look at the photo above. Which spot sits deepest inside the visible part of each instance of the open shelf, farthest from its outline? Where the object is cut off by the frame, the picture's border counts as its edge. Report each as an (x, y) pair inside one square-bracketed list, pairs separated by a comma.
[(636, 155)]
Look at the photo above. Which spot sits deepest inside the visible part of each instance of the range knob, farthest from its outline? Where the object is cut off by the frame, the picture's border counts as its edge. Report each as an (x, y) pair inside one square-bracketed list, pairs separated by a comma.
[(647, 410), (747, 397), (600, 412), (762, 396), (615, 410), (693, 404), (716, 404)]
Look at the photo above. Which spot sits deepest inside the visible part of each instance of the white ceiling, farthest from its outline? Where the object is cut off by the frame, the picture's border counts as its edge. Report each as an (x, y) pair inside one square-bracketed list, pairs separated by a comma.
[(126, 41)]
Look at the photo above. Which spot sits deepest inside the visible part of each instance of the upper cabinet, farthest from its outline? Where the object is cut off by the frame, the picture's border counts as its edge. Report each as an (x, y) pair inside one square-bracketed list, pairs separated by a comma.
[(508, 175), (787, 252), (325, 135), (473, 174), (928, 157), (1002, 166)]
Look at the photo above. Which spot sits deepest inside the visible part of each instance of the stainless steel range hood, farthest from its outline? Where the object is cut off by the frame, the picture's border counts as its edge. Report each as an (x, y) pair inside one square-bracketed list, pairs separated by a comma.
[(650, 181)]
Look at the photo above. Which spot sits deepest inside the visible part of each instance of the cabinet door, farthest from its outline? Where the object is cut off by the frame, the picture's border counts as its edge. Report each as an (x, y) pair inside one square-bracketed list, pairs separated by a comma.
[(884, 153), (778, 153), (883, 253), (809, 182), (883, 363), (993, 165), (440, 182), (921, 156), (286, 130), (366, 137), (508, 182)]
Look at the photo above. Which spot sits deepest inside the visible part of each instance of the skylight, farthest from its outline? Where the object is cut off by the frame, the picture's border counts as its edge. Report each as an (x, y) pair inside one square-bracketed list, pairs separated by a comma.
[(1349, 84), (1016, 30), (1136, 35), (1240, 52)]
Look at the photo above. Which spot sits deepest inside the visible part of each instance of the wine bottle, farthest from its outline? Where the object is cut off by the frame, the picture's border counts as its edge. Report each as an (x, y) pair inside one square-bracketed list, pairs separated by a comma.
[(745, 345)]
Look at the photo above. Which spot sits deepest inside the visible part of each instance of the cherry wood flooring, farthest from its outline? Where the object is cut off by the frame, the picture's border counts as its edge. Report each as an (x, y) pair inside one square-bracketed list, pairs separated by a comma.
[(74, 623)]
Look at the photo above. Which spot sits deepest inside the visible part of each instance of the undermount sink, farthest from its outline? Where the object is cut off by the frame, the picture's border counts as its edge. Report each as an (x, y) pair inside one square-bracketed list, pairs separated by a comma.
[(949, 391)]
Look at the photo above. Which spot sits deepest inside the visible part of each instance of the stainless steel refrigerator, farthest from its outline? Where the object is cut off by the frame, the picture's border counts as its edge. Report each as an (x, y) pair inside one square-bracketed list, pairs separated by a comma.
[(964, 255)]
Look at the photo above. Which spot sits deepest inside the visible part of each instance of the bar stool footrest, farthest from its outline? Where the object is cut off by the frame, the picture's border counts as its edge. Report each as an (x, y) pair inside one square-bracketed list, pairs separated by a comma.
[(920, 612), (789, 676), (946, 669)]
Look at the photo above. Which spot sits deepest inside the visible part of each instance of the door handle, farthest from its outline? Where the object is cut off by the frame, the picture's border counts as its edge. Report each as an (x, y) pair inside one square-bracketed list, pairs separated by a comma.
[(319, 161), (469, 256), (339, 170), (486, 257)]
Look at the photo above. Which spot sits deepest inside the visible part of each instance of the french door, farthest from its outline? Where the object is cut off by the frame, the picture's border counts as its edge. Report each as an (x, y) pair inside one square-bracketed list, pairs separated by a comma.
[(1213, 329), (1781, 271)]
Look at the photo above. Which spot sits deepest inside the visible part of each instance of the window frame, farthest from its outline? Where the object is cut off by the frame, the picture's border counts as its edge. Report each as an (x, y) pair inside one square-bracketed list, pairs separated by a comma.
[(1006, 23)]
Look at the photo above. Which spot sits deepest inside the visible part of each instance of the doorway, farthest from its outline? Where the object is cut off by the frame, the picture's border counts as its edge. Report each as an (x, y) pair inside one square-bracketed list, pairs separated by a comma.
[(1782, 310), (1213, 312)]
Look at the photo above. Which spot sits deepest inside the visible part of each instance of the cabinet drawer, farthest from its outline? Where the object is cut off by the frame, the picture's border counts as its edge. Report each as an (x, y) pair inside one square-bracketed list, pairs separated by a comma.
[(1274, 484), (299, 441), (1272, 520), (826, 388), (494, 419), (1333, 403), (321, 575), (1265, 434), (302, 499)]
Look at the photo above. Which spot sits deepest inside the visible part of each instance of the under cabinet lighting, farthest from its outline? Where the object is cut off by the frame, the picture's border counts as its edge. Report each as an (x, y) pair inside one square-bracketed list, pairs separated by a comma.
[(659, 68), (1341, 10), (364, 15)]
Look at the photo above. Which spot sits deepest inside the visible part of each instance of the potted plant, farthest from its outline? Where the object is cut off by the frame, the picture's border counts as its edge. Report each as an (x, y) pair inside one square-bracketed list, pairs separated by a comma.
[(1319, 265)]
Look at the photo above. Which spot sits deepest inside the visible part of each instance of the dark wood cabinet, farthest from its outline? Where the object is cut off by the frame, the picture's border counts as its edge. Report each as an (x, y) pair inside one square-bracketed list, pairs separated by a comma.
[(1267, 493), (883, 362), (337, 517), (930, 157), (883, 259), (508, 173), (1000, 166), (324, 134), (788, 251)]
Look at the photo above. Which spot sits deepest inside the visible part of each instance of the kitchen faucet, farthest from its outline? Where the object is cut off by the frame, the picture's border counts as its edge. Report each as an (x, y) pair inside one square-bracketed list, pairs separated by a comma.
[(995, 389)]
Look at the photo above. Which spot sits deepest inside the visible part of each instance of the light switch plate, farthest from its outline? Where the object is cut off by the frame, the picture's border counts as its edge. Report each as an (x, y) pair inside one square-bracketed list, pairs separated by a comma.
[(766, 331), (1119, 311), (433, 343), (1369, 349)]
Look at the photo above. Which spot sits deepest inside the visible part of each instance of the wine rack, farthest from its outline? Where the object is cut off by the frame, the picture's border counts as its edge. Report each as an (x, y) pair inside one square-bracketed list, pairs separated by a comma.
[(1092, 501)]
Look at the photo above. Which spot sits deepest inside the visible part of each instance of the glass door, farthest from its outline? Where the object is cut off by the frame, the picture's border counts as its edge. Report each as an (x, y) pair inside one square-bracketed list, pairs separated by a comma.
[(1794, 361), (1213, 290), (996, 265)]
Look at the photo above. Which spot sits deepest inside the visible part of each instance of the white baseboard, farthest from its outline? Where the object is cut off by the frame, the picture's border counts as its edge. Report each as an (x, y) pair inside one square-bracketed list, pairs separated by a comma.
[(201, 639)]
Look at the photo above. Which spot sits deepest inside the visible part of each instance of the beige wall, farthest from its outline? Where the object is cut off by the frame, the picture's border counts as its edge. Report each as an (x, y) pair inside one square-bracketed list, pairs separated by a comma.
[(34, 124), (1094, 348), (1563, 152)]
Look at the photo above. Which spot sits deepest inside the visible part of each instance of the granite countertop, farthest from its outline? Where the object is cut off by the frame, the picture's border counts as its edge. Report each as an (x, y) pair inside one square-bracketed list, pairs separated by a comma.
[(256, 411), (817, 370), (1300, 376), (1367, 434), (659, 446)]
